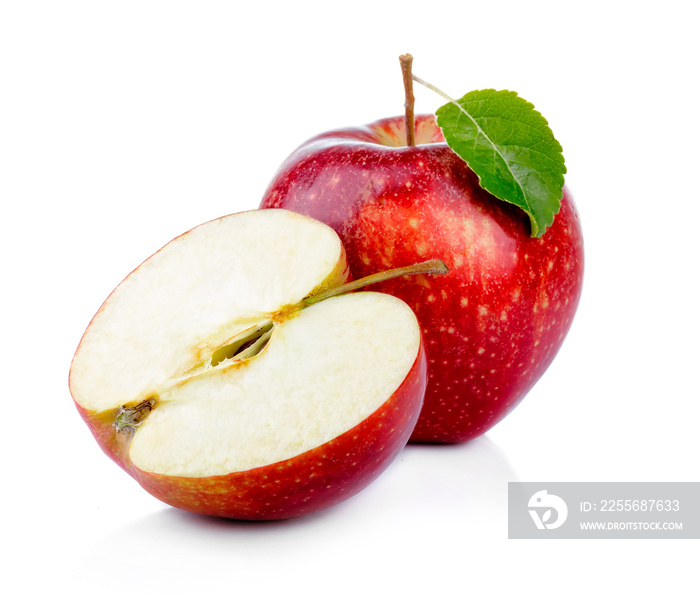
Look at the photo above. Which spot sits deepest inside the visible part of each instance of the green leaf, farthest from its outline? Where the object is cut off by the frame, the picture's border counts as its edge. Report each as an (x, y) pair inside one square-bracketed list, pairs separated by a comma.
[(510, 147)]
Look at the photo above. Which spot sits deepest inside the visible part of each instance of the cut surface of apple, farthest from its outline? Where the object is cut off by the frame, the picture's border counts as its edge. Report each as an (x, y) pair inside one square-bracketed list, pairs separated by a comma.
[(206, 364)]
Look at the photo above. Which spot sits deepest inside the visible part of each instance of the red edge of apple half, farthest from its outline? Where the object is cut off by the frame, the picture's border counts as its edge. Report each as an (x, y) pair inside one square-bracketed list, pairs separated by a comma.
[(312, 481), (305, 483), (494, 324)]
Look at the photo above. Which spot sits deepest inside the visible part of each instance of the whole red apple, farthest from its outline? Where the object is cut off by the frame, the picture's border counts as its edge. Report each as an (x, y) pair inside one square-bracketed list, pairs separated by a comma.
[(494, 323)]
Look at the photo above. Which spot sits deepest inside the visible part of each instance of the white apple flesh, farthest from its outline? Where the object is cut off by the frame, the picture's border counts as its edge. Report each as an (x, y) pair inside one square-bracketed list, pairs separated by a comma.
[(212, 379)]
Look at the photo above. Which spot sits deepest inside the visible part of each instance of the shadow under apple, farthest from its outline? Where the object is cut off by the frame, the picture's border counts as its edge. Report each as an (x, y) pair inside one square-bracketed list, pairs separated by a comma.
[(429, 491)]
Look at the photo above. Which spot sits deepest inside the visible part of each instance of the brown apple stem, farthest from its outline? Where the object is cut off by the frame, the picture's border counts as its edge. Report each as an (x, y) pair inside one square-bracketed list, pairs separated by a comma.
[(406, 66), (434, 266)]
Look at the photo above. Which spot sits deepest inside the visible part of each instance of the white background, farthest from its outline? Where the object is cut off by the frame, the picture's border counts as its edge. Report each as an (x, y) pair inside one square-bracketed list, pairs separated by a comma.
[(123, 124)]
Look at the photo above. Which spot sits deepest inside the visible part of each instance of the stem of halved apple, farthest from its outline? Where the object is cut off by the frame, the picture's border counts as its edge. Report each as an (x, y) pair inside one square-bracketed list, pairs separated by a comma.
[(433, 266), (252, 341)]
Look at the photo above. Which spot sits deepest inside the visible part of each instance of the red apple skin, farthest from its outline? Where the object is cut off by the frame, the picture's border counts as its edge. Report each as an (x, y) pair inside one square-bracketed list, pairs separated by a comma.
[(496, 321), (306, 483)]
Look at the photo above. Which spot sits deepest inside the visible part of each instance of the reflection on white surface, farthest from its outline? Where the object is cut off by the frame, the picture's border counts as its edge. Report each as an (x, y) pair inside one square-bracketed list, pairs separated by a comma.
[(429, 492)]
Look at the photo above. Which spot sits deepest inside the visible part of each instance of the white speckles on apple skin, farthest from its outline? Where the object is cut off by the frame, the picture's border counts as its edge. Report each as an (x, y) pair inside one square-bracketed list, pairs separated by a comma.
[(508, 299)]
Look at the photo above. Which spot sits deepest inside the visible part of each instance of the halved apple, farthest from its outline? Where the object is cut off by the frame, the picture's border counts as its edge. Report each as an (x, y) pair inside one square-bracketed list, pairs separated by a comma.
[(223, 380)]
